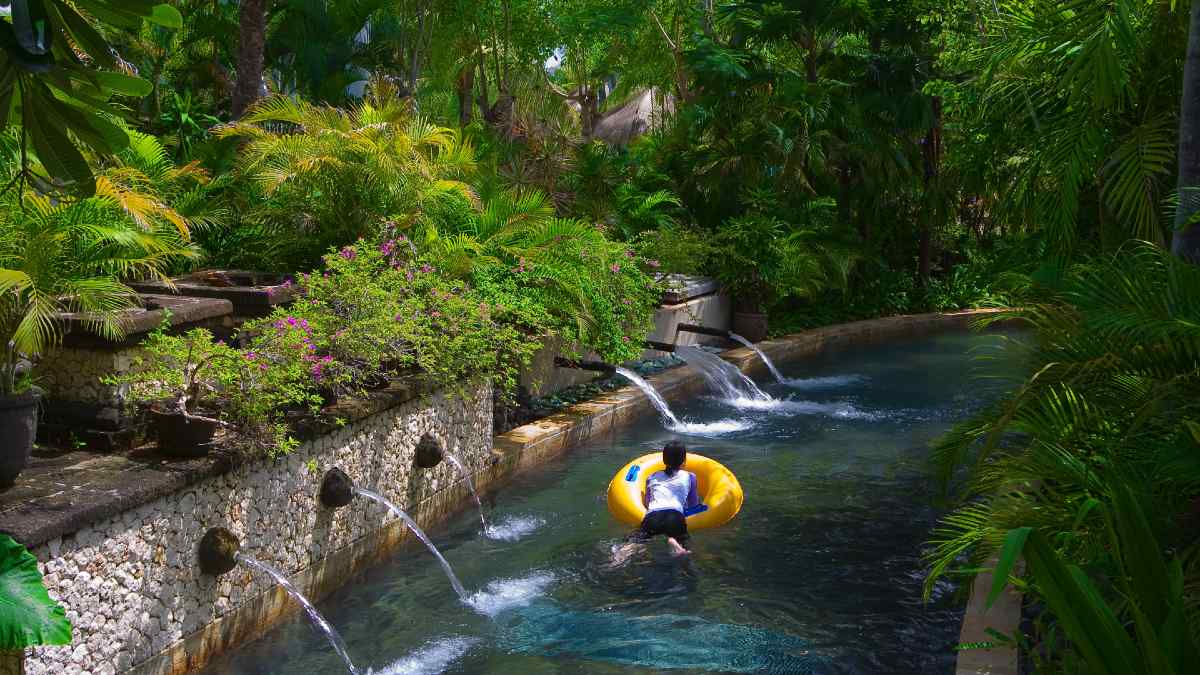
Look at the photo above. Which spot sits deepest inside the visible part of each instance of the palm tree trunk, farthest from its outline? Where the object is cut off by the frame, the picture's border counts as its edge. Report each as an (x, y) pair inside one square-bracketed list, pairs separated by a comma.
[(252, 40), (1186, 243)]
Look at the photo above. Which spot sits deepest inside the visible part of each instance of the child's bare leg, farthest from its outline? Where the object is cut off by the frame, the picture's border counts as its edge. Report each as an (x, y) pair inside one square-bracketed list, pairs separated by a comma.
[(677, 549)]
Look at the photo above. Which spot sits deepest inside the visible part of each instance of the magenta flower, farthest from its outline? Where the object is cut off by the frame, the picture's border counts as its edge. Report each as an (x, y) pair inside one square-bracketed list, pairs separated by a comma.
[(408, 275), (250, 356), (628, 253), (653, 263), (426, 268), (348, 253), (435, 313), (615, 268)]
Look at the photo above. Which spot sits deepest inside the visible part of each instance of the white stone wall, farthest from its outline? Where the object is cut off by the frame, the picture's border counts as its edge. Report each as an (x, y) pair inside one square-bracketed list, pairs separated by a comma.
[(131, 585)]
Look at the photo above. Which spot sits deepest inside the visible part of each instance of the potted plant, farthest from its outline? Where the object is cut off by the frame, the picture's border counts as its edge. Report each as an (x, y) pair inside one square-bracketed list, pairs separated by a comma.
[(760, 260), (18, 417), (192, 385), (181, 380)]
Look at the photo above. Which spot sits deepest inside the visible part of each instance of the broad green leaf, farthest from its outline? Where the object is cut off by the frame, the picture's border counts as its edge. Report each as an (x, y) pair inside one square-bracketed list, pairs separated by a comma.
[(1141, 557), (166, 16), (1088, 622), (1014, 542), (127, 85), (28, 617), (84, 35), (61, 159)]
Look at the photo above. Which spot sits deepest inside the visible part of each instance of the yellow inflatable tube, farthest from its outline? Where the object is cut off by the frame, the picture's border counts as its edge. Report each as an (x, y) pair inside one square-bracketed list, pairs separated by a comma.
[(720, 493)]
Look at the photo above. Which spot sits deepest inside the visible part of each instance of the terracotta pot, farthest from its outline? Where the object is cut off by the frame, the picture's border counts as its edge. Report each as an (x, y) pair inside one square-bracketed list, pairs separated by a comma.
[(179, 436), (18, 428), (750, 325)]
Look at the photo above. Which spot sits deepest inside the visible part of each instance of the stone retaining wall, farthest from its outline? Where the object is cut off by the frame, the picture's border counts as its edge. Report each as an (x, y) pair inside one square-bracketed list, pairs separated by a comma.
[(130, 582)]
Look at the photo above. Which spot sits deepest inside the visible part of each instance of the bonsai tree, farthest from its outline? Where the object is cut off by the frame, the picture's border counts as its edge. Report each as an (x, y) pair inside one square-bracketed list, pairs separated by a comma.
[(209, 383)]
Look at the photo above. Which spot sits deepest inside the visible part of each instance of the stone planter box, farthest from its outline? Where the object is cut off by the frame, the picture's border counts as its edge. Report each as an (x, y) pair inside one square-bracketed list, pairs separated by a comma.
[(252, 294), (78, 408)]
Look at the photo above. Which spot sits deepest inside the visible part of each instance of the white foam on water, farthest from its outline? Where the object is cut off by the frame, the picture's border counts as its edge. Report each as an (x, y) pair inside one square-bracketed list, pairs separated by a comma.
[(434, 657), (787, 406), (504, 594), (829, 382), (514, 528), (711, 428)]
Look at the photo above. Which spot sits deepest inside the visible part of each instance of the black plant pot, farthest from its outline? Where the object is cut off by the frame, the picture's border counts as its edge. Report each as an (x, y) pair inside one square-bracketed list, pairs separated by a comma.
[(750, 325), (179, 436), (18, 428)]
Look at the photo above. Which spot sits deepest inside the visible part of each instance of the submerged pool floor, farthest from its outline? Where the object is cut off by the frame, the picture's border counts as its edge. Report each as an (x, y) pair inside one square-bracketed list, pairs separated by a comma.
[(820, 573)]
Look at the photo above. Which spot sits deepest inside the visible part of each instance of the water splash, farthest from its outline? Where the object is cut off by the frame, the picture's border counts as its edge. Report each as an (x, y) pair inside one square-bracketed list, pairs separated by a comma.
[(711, 428), (434, 657), (466, 475), (505, 594), (828, 382), (725, 378), (762, 355), (514, 528), (412, 525), (319, 622), (656, 399), (788, 406), (671, 420)]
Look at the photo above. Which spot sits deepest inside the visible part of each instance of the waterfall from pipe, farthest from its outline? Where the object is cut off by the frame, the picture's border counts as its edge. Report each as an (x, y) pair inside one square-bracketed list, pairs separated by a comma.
[(724, 377), (466, 475), (412, 525), (314, 616), (770, 364), (660, 404)]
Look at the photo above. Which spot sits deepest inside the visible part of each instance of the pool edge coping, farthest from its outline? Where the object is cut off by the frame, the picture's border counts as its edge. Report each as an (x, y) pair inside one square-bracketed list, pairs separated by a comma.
[(528, 445)]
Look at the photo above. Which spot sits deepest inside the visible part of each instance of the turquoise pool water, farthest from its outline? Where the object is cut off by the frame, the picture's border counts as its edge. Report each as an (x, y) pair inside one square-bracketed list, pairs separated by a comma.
[(820, 573)]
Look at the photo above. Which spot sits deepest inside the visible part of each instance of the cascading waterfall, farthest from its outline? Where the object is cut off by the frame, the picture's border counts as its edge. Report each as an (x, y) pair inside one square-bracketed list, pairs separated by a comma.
[(318, 621), (412, 525), (770, 364), (724, 377), (466, 475), (660, 404)]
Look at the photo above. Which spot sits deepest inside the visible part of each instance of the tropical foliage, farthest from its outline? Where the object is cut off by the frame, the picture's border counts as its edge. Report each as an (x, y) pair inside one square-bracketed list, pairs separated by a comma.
[(28, 617), (1102, 427)]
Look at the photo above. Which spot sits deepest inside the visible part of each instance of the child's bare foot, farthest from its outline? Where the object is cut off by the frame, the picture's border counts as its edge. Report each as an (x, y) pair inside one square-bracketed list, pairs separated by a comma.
[(676, 549)]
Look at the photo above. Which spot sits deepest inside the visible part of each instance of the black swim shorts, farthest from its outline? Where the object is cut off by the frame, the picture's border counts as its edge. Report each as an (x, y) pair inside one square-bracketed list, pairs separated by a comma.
[(668, 522)]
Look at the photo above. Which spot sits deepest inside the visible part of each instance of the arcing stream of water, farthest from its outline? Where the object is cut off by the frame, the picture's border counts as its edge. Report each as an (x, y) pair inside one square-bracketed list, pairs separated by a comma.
[(770, 364), (314, 616), (412, 525), (660, 404), (724, 377), (466, 476)]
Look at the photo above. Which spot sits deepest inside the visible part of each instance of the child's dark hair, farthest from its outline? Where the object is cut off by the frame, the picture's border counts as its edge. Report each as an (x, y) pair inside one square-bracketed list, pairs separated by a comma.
[(674, 454)]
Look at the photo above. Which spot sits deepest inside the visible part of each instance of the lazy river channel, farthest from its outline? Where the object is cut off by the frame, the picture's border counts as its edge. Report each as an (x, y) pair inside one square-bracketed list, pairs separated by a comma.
[(820, 573)]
